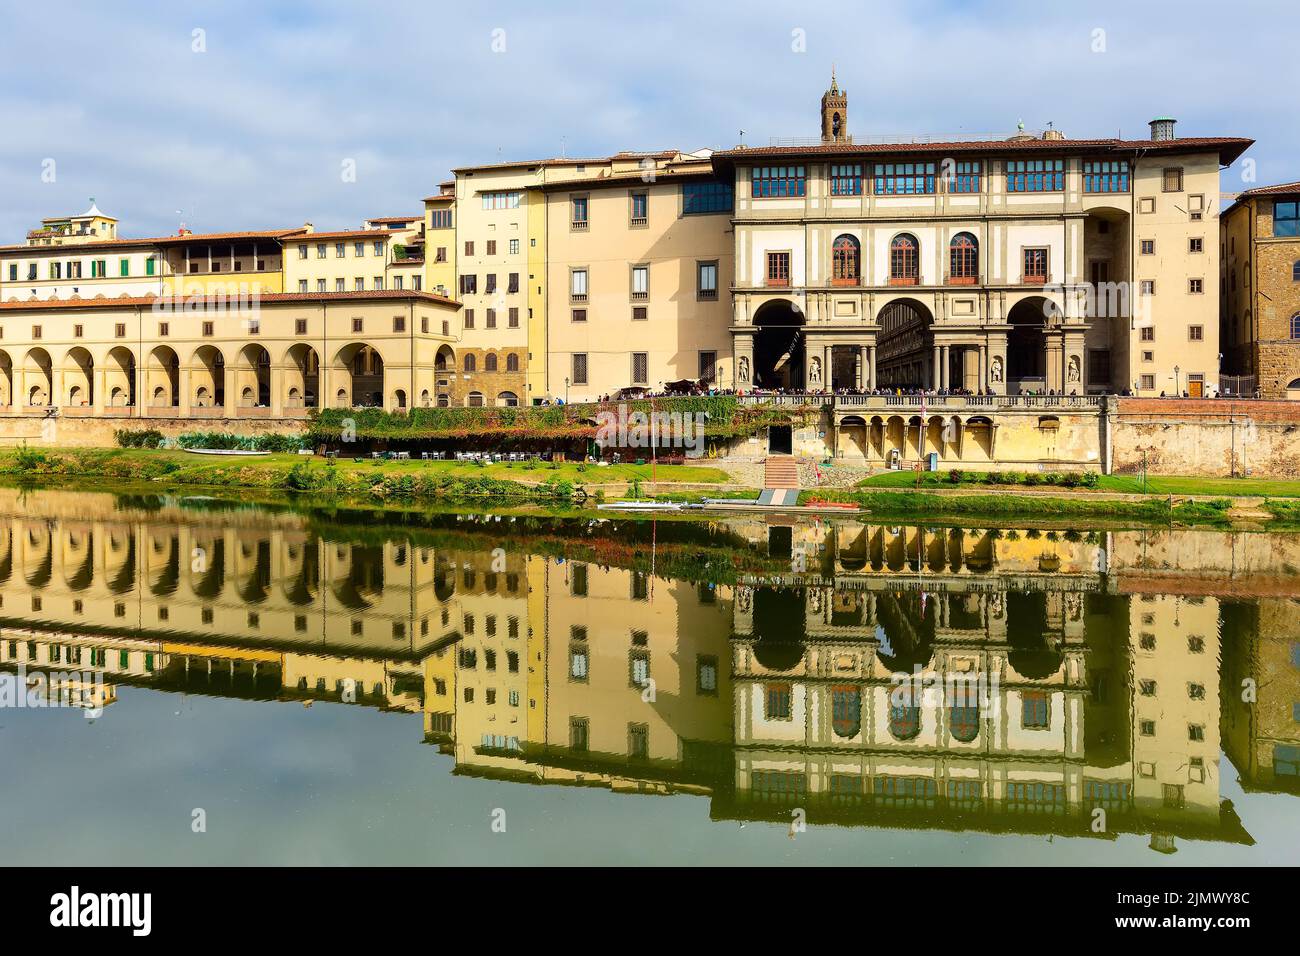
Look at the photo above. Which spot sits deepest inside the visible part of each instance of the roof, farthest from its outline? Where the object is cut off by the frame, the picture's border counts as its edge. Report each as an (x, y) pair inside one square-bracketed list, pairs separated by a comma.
[(1228, 147), (416, 218), (173, 240), (624, 179), (563, 161), (1278, 190), (264, 298), (441, 197), (341, 234)]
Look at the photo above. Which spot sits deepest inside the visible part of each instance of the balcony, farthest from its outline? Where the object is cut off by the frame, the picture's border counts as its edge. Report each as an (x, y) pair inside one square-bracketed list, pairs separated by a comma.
[(578, 225), (846, 281)]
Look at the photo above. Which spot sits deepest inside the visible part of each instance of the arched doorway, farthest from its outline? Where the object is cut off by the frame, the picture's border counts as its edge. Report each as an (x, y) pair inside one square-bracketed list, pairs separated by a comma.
[(6, 379), (360, 371), (302, 387), (778, 346), (1027, 344), (163, 378), (209, 377), (79, 378)]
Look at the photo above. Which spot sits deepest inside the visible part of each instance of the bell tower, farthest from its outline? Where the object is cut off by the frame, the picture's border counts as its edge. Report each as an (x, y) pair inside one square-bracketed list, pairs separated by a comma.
[(835, 114)]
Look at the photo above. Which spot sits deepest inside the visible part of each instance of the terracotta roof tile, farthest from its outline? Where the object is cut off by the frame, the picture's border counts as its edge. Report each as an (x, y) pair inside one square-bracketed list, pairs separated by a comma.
[(267, 297)]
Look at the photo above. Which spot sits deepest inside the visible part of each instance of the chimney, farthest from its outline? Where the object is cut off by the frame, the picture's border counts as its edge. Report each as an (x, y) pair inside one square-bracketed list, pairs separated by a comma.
[(308, 227), (1162, 129)]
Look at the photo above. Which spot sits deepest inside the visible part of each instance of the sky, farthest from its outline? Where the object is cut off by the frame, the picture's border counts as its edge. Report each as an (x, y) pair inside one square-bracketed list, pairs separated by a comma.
[(254, 115)]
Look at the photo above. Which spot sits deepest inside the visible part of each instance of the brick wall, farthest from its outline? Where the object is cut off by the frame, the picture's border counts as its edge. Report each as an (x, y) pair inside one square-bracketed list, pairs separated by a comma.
[(1207, 437)]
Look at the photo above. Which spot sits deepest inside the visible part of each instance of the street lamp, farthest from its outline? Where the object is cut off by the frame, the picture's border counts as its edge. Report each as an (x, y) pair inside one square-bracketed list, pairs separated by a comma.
[(566, 390), (1177, 390)]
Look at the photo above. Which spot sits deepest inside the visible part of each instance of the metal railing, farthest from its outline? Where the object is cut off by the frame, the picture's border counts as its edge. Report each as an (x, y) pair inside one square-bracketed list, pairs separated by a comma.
[(930, 401)]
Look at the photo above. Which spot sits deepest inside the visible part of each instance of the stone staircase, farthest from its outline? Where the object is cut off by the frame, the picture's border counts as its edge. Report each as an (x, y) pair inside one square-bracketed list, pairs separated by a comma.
[(780, 481)]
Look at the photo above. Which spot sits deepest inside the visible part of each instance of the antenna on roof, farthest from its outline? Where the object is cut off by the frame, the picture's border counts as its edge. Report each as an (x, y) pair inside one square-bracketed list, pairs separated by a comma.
[(742, 137)]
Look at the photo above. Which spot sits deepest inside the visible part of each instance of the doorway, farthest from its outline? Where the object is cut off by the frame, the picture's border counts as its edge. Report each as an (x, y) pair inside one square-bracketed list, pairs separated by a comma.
[(780, 440)]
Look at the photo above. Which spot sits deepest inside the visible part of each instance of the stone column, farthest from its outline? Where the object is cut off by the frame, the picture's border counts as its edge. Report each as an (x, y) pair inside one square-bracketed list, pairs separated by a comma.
[(871, 366), (185, 385), (934, 368), (944, 369), (827, 366)]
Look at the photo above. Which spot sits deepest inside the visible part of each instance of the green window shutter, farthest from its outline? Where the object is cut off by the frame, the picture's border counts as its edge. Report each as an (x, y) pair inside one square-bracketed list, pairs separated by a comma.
[(123, 659), (148, 266), (125, 266)]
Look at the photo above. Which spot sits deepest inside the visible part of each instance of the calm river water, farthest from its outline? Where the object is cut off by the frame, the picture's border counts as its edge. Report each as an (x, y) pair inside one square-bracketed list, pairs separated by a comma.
[(197, 681)]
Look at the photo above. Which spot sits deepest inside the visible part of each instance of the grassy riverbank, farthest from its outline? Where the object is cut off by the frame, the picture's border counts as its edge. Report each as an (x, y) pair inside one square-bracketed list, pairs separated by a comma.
[(365, 478), (1012, 506), (1123, 484)]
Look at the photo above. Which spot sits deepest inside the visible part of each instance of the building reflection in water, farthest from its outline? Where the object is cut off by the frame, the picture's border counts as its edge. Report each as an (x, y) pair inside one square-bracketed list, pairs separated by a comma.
[(1118, 665)]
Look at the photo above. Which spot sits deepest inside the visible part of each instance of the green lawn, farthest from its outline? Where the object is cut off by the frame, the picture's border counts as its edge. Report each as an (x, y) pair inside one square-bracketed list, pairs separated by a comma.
[(192, 467), (1129, 484)]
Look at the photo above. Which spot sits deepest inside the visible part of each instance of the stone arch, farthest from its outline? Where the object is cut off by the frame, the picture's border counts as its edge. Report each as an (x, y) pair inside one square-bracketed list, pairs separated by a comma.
[(507, 400), (6, 378), (162, 377), (252, 376), (360, 371), (779, 353), (1030, 319), (38, 377), (208, 377), (119, 377), (78, 377), (302, 376)]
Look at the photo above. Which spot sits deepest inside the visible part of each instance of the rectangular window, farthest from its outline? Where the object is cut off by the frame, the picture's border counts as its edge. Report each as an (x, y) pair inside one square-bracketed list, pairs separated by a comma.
[(124, 267), (1147, 247), (513, 318), (490, 283), (776, 701), (1172, 179), (379, 248), (578, 285), (966, 177), (512, 282), (640, 209), (706, 675), (300, 326), (776, 181), (578, 207), (1034, 711), (708, 366), (441, 254), (1035, 267), (778, 268), (150, 265), (846, 180), (579, 368), (640, 313), (1105, 176), (469, 318), (491, 322), (78, 331), (640, 282), (904, 179), (640, 368), (1147, 333), (514, 247), (302, 252), (357, 324), (1035, 175), (399, 323), (702, 198), (1195, 286), (708, 280), (468, 285), (359, 249), (502, 200), (1195, 244), (379, 283), (119, 330), (320, 285), (36, 331), (638, 741), (491, 247), (340, 285), (340, 250), (320, 250), (579, 315), (302, 286), (1286, 219), (1147, 286), (359, 284), (1196, 333), (1147, 382), (578, 734), (208, 329)]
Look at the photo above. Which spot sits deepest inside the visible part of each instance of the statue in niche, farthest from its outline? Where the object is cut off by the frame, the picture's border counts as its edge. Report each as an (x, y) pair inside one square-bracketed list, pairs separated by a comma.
[(995, 369), (815, 371), (1072, 369), (742, 369)]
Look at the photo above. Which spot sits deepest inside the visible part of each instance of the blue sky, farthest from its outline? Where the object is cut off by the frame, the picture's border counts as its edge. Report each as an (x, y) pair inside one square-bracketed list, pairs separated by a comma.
[(254, 131)]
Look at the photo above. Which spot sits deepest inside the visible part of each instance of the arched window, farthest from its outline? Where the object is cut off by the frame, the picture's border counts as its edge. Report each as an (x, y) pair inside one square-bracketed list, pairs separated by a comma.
[(904, 261), (904, 715), (1295, 271), (490, 362), (845, 259), (512, 362), (963, 259), (470, 364), (1295, 326), (475, 400), (846, 711), (507, 400)]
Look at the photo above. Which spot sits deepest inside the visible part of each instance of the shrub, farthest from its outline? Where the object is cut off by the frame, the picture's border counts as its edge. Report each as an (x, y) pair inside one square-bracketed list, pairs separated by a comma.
[(1090, 479), (1033, 478), (956, 476), (1072, 479), (1013, 478), (138, 437)]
